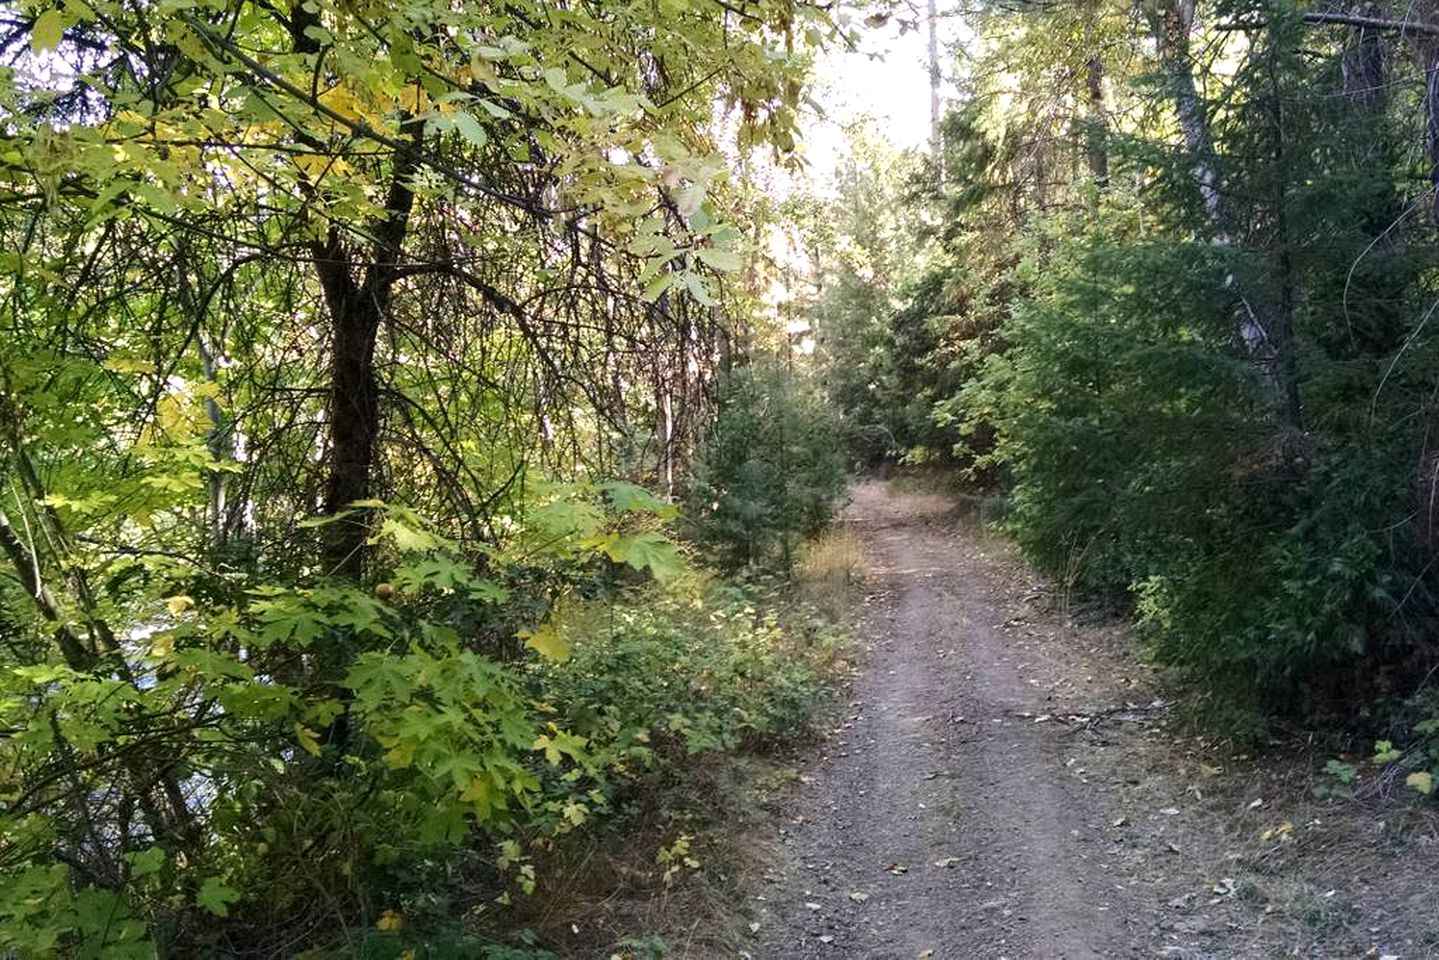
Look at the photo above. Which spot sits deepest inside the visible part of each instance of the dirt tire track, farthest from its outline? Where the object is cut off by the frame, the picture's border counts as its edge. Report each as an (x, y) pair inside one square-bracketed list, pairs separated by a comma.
[(941, 819), (957, 810)]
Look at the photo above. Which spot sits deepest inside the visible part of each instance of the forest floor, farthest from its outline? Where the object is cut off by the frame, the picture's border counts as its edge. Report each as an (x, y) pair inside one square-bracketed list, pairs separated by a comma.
[(1006, 782)]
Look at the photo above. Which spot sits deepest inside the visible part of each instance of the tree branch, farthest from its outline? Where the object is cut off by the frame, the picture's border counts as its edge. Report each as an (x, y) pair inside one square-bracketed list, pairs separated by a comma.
[(1372, 23)]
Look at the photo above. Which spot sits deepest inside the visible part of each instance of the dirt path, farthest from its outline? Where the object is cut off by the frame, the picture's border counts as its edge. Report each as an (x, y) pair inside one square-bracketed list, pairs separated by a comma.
[(997, 788)]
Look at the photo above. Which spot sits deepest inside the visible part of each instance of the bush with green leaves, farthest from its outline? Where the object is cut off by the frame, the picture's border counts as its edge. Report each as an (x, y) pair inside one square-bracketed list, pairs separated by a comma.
[(768, 472), (449, 721), (1212, 395), (1144, 463), (698, 667), (270, 761)]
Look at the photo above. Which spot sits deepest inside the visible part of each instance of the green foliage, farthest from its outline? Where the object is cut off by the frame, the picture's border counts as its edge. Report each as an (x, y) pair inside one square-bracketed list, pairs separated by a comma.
[(1140, 459), (1191, 337), (768, 472), (1419, 720), (334, 339), (1338, 781), (409, 741), (699, 667)]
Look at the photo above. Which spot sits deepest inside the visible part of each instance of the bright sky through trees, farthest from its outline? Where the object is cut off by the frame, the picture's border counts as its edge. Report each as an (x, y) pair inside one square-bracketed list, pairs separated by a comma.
[(884, 80)]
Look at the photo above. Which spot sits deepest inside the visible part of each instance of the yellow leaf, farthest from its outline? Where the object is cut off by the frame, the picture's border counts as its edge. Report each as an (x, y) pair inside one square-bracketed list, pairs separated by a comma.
[(170, 413), (162, 645), (413, 99), (129, 365), (401, 755), (545, 641), (307, 740), (341, 99), (179, 604), (315, 165), (49, 28), (552, 751), (1284, 832), (1423, 781), (389, 922), (478, 793)]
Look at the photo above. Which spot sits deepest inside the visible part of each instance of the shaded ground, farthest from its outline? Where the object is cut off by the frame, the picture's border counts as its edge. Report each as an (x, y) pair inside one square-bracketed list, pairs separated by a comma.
[(1002, 784)]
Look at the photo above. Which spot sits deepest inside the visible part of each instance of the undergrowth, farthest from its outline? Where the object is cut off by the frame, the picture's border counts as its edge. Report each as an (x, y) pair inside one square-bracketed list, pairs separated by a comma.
[(682, 695)]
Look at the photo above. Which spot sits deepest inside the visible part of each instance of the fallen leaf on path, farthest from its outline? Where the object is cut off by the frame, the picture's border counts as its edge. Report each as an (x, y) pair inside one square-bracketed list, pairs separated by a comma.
[(1170, 811), (898, 868), (754, 928), (1256, 803), (1285, 832), (859, 896), (946, 863), (812, 905), (826, 939)]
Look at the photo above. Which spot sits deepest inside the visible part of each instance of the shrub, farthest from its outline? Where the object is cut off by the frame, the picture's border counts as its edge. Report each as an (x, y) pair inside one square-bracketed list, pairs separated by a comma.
[(769, 471), (1144, 463), (411, 772), (692, 668)]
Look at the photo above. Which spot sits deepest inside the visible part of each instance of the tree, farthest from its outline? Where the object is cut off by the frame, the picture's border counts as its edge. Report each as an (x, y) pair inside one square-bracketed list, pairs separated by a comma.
[(303, 307)]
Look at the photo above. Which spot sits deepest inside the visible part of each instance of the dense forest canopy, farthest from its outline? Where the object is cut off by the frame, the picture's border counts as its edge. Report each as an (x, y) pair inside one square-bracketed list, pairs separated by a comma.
[(1167, 288)]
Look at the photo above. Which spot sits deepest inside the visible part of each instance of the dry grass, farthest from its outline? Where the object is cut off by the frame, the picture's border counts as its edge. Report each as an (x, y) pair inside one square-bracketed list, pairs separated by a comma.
[(830, 572), (607, 896), (1352, 875), (1307, 876)]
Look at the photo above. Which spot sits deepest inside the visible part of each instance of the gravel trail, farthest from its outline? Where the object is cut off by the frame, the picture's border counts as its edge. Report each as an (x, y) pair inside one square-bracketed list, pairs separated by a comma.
[(950, 816), (1006, 784)]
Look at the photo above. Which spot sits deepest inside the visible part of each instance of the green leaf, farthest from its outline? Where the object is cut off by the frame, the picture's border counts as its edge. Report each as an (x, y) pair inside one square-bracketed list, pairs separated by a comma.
[(695, 284), (406, 537), (632, 498), (659, 285), (1421, 780), (649, 551), (216, 897), (470, 129), (547, 642), (145, 862), (47, 32), (1384, 752), (725, 261), (566, 518)]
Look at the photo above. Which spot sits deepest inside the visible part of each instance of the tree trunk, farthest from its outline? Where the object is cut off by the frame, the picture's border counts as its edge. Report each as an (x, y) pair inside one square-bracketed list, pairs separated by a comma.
[(1429, 53), (1175, 21), (1363, 69), (936, 140), (356, 311), (1098, 128), (1263, 327)]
